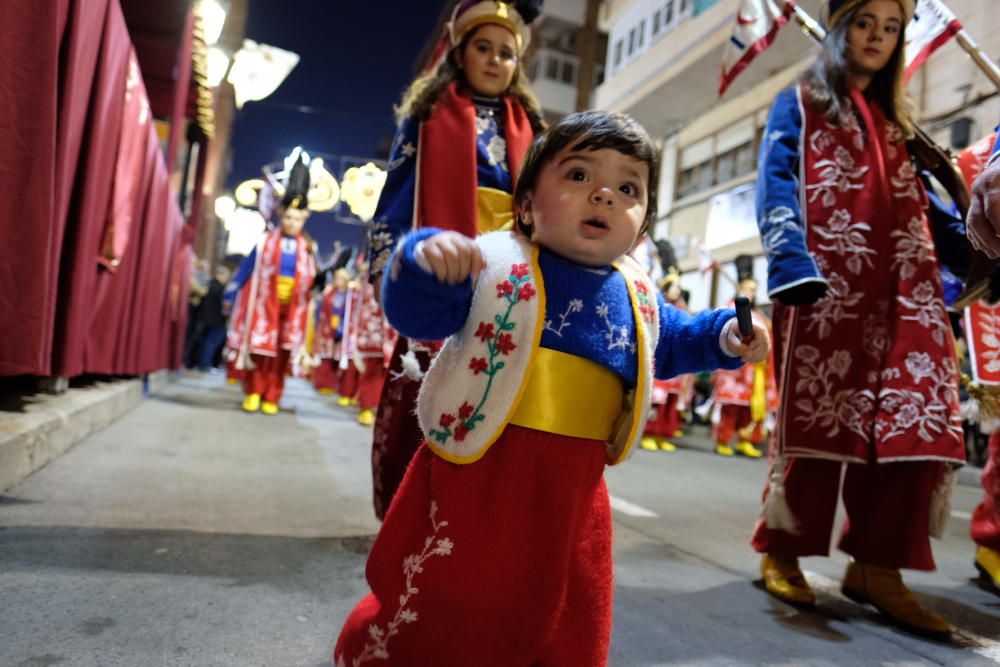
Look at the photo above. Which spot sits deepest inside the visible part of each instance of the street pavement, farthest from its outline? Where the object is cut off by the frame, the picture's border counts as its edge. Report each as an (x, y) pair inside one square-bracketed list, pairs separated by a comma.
[(190, 533)]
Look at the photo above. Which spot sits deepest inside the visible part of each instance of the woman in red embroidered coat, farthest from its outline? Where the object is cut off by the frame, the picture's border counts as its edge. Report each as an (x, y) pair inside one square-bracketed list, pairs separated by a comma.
[(463, 129), (867, 369), (327, 341)]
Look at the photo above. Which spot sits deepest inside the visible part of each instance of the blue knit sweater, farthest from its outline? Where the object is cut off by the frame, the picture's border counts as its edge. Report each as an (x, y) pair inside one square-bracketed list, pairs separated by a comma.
[(588, 314)]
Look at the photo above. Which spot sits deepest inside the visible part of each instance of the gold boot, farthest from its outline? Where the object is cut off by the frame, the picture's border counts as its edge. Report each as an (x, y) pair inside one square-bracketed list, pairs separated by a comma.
[(722, 449), (883, 588), (269, 408), (251, 403), (988, 564), (746, 448), (649, 444), (366, 417), (344, 401), (784, 580)]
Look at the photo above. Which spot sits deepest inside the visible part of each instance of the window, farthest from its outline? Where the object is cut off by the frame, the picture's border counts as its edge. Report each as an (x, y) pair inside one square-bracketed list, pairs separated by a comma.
[(552, 68), (668, 13), (745, 162), (725, 166), (598, 75), (618, 53), (657, 18), (533, 69), (568, 72), (631, 41), (683, 7), (642, 32)]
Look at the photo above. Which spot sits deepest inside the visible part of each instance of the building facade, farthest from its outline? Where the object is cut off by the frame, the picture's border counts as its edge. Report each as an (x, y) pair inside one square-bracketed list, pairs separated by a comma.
[(663, 64)]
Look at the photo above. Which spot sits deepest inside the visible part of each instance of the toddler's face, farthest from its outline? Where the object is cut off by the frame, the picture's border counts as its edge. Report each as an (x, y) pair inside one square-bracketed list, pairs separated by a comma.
[(588, 206)]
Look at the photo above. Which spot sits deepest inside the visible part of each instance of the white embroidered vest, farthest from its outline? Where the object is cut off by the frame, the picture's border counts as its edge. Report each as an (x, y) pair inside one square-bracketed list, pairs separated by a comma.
[(474, 384)]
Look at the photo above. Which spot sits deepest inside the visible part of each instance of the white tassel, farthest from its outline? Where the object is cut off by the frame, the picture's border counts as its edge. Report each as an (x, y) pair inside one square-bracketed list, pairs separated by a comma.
[(411, 367), (776, 513), (941, 503)]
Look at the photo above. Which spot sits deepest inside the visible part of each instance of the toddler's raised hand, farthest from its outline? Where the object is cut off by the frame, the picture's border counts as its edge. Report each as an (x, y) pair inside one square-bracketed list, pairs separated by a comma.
[(750, 352), (450, 256)]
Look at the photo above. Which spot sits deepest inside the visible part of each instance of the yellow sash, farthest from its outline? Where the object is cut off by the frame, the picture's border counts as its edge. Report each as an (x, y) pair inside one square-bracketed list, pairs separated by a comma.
[(285, 286), (570, 395), (494, 210)]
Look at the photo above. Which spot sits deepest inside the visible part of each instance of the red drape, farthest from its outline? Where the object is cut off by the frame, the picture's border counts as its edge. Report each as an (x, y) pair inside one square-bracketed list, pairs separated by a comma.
[(91, 196), (31, 34)]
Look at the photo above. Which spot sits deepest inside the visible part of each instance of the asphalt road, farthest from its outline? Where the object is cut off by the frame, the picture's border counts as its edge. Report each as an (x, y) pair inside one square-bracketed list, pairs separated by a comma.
[(189, 533)]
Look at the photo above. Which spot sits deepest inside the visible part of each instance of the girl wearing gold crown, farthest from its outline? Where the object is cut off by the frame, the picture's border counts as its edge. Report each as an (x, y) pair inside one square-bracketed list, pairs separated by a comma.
[(463, 128), (869, 389)]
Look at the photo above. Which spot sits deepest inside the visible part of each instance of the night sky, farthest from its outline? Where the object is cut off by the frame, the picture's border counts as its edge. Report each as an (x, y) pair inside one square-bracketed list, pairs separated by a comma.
[(356, 59)]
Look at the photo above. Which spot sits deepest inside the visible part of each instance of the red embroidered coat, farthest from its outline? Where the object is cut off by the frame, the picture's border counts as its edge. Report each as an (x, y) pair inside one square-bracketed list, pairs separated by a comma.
[(254, 328), (869, 372)]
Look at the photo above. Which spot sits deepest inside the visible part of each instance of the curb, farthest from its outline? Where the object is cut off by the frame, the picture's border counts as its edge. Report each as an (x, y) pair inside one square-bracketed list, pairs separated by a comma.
[(49, 425)]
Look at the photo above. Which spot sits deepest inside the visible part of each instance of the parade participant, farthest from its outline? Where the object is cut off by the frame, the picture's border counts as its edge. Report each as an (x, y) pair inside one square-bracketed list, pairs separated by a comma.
[(270, 319), (367, 336), (497, 549), (742, 399), (867, 367), (327, 343), (981, 322), (669, 396), (464, 127)]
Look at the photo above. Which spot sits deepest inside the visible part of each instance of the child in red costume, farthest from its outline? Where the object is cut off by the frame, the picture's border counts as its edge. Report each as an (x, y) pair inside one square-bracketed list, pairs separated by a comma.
[(497, 548), (269, 321)]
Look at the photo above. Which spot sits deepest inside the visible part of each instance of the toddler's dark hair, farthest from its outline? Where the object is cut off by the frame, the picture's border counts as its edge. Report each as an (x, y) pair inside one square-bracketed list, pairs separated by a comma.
[(599, 129)]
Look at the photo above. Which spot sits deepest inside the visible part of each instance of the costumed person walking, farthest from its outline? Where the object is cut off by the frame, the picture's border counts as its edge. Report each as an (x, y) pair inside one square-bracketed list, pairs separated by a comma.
[(497, 548), (743, 399), (463, 130), (983, 333), (327, 341), (270, 320), (867, 374), (672, 395), (367, 333)]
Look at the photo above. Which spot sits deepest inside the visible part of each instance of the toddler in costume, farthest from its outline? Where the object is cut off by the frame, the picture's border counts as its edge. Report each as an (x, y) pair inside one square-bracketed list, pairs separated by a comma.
[(497, 548)]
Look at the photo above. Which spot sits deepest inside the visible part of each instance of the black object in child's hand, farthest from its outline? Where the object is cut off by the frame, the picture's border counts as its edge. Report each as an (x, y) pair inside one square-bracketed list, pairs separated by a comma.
[(743, 318)]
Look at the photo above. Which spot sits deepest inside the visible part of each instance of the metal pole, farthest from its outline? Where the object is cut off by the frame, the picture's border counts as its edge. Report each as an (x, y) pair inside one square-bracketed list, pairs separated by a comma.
[(809, 25), (989, 67)]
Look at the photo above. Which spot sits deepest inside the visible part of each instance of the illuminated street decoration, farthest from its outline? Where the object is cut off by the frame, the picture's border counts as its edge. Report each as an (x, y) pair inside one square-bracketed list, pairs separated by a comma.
[(258, 70), (361, 189), (324, 191)]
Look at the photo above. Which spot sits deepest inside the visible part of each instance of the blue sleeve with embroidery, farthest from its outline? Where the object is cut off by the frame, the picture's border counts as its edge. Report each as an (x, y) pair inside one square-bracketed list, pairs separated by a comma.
[(690, 343), (415, 302), (241, 277), (394, 214), (779, 216)]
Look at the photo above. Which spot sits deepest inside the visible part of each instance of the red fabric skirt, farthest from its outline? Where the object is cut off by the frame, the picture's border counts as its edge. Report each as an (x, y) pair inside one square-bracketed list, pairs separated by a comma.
[(986, 517), (505, 561), (326, 375), (397, 434), (370, 383)]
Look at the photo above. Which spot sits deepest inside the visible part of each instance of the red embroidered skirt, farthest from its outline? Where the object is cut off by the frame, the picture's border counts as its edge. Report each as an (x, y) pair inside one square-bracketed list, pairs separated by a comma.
[(505, 561)]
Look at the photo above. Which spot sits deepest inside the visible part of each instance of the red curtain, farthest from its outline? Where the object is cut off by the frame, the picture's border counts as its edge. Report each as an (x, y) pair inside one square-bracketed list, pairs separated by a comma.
[(91, 196), (31, 34)]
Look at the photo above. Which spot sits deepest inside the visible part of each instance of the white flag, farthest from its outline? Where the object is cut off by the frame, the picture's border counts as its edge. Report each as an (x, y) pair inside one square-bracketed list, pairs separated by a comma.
[(757, 23), (933, 24)]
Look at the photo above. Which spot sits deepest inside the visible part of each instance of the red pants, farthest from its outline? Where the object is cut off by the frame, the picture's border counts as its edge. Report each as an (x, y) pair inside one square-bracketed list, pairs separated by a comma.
[(986, 517), (888, 510), (326, 375), (732, 418), (268, 378), (370, 383), (397, 434), (667, 420), (502, 562), (348, 385)]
